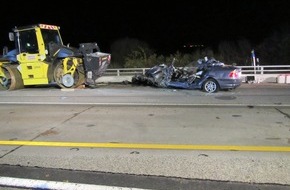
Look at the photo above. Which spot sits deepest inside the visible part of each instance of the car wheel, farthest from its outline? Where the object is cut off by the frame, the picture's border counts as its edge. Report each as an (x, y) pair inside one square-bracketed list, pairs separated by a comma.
[(210, 86)]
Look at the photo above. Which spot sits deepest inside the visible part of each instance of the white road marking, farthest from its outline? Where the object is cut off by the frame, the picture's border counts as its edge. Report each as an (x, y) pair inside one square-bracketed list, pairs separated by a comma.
[(55, 185)]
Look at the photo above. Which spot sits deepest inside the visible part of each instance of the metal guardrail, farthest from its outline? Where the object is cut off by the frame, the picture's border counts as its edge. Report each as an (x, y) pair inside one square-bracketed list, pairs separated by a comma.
[(266, 69), (246, 70), (125, 71)]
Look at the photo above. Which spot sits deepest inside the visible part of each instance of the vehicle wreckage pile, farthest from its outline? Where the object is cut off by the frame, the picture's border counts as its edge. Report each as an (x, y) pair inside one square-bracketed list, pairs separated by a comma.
[(205, 74)]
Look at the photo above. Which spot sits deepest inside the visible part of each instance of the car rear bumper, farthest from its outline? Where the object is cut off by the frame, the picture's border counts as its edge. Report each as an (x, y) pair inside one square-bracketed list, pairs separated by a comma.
[(230, 83)]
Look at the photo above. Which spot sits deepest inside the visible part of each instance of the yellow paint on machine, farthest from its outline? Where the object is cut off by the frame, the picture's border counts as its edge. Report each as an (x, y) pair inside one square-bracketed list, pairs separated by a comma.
[(148, 146)]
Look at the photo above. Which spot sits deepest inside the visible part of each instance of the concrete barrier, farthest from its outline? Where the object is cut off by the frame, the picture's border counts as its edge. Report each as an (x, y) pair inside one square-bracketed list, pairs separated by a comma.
[(283, 79), (266, 78), (113, 79)]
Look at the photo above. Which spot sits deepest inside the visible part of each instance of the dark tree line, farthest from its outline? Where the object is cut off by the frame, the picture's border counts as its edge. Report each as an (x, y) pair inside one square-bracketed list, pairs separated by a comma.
[(274, 50)]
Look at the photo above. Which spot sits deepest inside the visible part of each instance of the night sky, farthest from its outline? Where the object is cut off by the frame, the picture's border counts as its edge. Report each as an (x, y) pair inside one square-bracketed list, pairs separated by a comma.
[(164, 25)]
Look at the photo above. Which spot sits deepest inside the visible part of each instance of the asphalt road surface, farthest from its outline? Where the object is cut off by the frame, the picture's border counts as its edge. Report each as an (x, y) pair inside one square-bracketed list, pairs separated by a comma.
[(127, 137)]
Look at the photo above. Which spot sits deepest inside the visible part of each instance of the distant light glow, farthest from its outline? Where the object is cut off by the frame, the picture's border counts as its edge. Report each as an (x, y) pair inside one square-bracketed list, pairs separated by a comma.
[(190, 45)]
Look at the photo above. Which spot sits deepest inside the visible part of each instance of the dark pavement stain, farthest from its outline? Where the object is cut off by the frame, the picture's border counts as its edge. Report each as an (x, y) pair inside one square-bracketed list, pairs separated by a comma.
[(226, 97), (236, 116), (151, 114), (49, 132), (76, 149), (90, 125)]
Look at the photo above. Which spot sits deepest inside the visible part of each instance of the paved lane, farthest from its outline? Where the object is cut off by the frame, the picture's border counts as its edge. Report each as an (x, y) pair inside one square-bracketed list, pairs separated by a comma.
[(211, 125)]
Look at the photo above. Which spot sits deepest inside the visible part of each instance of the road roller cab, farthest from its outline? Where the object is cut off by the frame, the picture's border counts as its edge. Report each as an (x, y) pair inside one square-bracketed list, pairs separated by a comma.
[(40, 58)]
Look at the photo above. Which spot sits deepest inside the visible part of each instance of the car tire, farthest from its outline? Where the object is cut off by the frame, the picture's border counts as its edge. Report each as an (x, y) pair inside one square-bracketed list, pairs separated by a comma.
[(210, 86)]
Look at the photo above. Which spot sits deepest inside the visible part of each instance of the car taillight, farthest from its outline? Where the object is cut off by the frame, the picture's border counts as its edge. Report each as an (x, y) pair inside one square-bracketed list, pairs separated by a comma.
[(234, 74)]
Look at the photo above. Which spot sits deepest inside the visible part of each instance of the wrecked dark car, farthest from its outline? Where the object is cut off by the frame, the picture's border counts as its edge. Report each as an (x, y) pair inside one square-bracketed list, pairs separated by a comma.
[(208, 75)]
